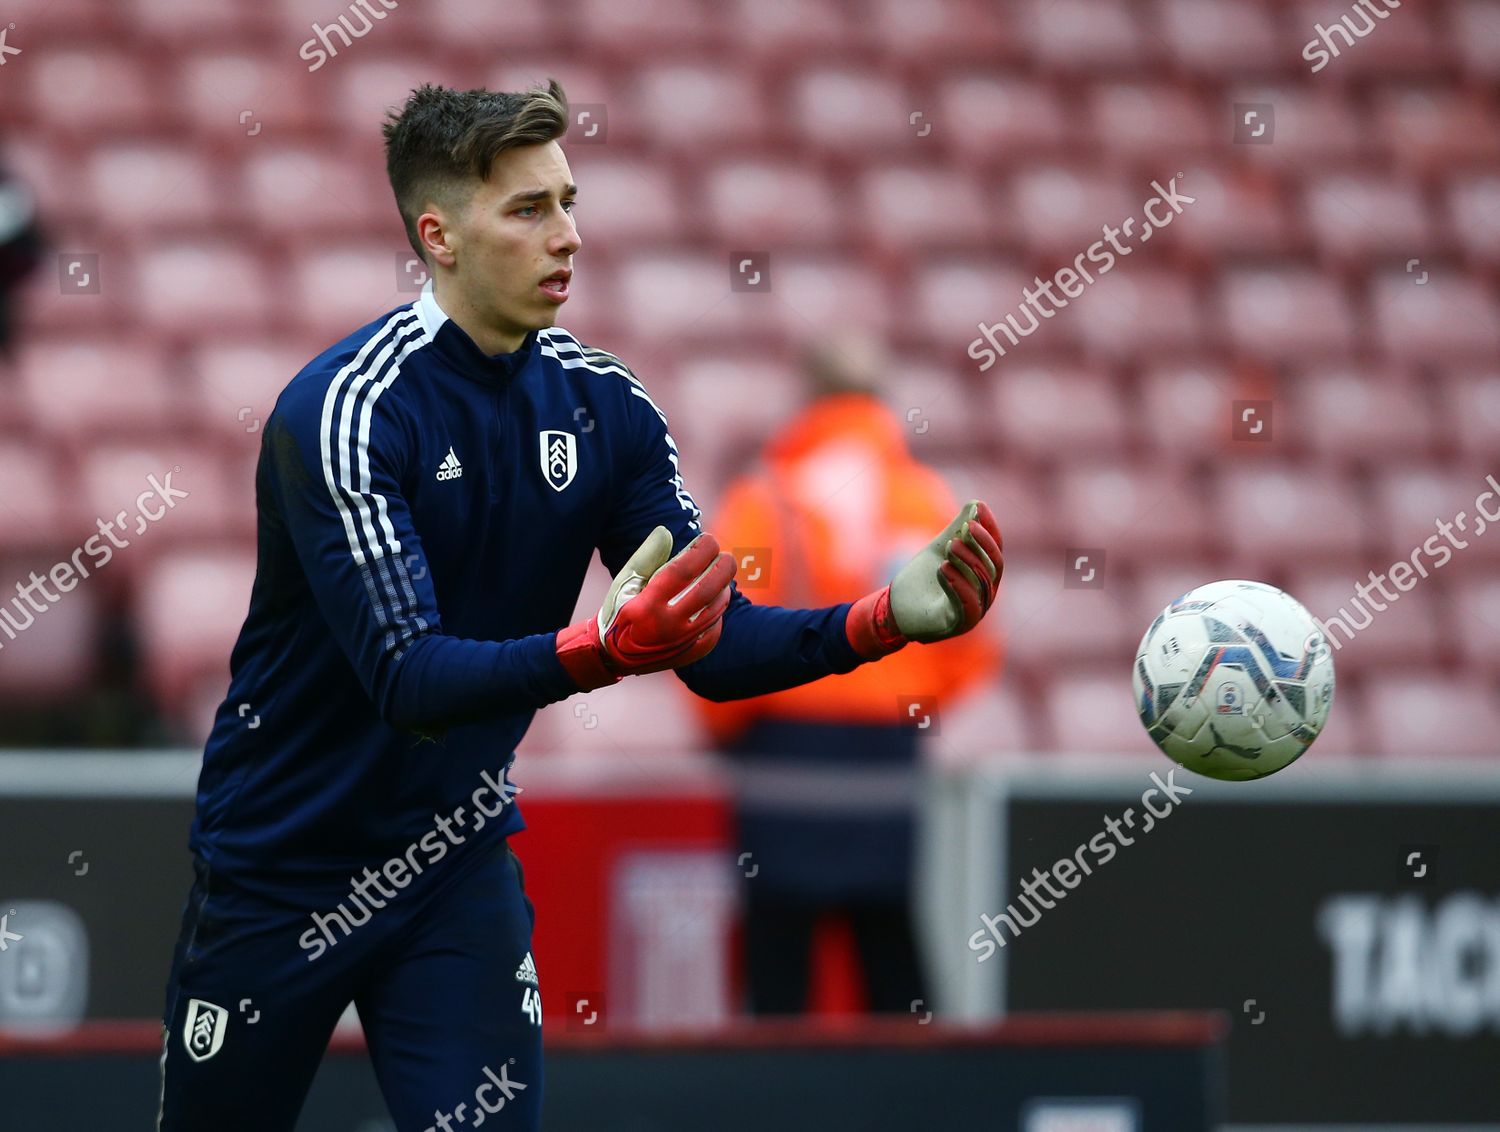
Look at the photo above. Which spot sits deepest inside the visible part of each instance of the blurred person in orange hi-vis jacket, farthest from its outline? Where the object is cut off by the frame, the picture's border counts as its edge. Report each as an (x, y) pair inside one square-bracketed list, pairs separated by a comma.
[(826, 774)]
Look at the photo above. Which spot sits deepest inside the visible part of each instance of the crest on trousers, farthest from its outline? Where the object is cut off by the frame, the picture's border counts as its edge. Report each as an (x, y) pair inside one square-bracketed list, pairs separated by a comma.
[(203, 1032), (559, 455)]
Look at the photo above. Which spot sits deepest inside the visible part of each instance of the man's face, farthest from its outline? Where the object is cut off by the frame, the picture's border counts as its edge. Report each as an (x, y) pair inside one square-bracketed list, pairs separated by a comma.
[(511, 239)]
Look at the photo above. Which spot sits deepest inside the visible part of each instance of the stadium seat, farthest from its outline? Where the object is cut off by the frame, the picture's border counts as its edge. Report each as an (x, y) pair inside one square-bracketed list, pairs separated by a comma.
[(208, 287), (186, 23), (1234, 211), (1410, 502), (189, 607), (1149, 120), (1310, 126), (1270, 514), (1062, 210), (624, 203), (841, 110), (515, 27), (1476, 621), (340, 288), (638, 720), (769, 204), (1475, 38), (1410, 632), (1094, 714), (991, 121), (949, 296), (1052, 412), (916, 209), (1216, 37), (1050, 627), (663, 294), (81, 388), (48, 653), (310, 191), (1289, 311), (357, 93), (989, 719), (152, 186), (1186, 408), (229, 93), (100, 89), (1078, 36), (115, 474), (1473, 202), (940, 32), (722, 403), (1141, 310), (1387, 50), (38, 506), (1473, 403), (235, 384), (1435, 128), (1352, 216), (940, 410), (815, 292), (1446, 315), (1370, 414), (645, 28), (1135, 511), (1416, 716), (796, 29), (696, 106)]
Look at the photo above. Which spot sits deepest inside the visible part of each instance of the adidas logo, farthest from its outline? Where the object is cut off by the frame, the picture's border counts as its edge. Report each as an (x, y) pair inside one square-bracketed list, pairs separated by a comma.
[(450, 468), (526, 972)]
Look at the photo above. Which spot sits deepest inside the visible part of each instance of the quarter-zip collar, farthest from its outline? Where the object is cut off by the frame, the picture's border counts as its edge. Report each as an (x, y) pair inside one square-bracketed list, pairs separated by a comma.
[(455, 346)]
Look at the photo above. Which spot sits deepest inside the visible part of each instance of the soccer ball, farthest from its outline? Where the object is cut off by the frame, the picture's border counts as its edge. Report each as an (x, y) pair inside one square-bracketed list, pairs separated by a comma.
[(1234, 680)]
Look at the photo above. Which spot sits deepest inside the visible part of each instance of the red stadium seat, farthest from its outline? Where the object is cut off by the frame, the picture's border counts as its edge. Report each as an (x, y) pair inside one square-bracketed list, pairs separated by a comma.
[(186, 23), (582, 80), (1150, 120), (747, 204), (843, 110), (357, 90), (515, 26), (1473, 401), (189, 607), (940, 31), (991, 718), (1138, 311), (1435, 128), (1411, 502), (662, 294), (1402, 43), (166, 188), (640, 29), (1290, 312), (1020, 498), (1476, 621), (626, 202), (1187, 408), (1360, 413), (199, 288), (1475, 37), (311, 190), (1075, 35), (51, 655), (918, 209), (235, 384), (83, 388), (991, 120), (1215, 37), (1352, 216), (1421, 716), (950, 297), (38, 506), (814, 292), (1049, 627), (1133, 510), (1096, 715), (1449, 315), (1272, 514), (1408, 633), (694, 106), (1234, 210), (790, 28), (1474, 215), (1310, 126), (345, 286), (940, 410), (638, 720), (116, 474), (1054, 412), (97, 88), (1063, 211), (725, 403), (232, 93)]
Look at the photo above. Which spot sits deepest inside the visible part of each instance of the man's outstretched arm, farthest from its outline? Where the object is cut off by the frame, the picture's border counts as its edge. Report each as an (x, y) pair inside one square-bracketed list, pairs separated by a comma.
[(943, 592)]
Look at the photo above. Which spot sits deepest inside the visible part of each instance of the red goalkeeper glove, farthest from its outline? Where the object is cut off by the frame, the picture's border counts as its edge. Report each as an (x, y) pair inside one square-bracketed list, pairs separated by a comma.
[(658, 614), (941, 593)]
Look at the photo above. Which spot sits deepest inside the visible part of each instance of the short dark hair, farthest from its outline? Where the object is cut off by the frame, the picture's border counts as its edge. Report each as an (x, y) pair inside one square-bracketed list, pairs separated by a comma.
[(443, 139)]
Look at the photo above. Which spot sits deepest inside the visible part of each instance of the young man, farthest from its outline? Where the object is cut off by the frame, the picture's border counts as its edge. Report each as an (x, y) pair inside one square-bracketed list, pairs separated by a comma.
[(430, 492)]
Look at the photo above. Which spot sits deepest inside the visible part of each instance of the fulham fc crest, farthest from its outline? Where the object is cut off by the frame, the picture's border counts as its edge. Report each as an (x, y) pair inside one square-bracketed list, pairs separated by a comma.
[(559, 453), (203, 1032)]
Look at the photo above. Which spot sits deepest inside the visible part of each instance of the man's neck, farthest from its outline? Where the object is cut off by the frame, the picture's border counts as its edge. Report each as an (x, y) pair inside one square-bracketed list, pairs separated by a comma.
[(486, 337)]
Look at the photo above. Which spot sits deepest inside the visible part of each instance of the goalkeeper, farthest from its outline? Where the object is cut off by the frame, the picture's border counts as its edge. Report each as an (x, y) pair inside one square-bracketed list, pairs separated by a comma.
[(430, 492)]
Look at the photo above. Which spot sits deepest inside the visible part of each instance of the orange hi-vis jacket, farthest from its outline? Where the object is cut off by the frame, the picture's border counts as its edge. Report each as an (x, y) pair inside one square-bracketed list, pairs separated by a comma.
[(836, 506)]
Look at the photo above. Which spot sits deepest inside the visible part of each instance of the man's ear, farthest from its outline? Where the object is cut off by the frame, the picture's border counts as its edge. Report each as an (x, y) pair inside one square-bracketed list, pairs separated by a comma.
[(437, 237)]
